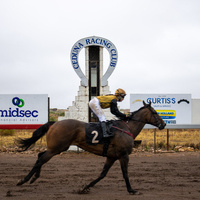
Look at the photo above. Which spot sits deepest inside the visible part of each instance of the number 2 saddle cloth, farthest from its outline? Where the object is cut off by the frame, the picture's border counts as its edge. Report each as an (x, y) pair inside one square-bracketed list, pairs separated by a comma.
[(94, 134)]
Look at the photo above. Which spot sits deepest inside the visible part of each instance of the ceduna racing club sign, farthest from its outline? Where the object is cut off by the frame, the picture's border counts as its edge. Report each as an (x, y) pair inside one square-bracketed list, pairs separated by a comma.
[(23, 111)]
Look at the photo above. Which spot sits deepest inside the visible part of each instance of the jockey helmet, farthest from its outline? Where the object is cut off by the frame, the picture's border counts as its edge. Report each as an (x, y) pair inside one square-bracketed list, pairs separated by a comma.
[(120, 92)]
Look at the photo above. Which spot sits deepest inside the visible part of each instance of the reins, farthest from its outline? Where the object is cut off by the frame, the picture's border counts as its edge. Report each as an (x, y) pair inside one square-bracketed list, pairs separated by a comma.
[(129, 133)]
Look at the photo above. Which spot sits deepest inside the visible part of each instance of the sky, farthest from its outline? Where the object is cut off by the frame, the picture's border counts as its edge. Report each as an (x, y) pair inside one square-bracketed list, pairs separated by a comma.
[(158, 43)]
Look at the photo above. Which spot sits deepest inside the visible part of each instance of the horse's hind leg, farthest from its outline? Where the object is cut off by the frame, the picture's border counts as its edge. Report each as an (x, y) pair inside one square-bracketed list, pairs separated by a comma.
[(107, 166), (42, 159), (37, 173)]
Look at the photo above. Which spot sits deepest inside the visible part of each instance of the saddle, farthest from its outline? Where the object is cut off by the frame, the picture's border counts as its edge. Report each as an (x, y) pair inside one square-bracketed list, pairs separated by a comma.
[(94, 134)]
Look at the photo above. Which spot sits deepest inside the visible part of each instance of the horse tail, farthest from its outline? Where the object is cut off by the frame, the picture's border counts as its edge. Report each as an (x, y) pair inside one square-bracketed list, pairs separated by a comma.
[(37, 134)]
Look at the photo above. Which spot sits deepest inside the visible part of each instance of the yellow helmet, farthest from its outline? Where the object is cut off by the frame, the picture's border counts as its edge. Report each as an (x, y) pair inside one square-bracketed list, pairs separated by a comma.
[(120, 92)]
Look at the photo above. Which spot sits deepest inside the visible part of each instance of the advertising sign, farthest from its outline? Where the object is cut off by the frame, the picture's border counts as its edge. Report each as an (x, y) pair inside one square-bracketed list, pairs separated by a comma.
[(173, 108), (22, 110)]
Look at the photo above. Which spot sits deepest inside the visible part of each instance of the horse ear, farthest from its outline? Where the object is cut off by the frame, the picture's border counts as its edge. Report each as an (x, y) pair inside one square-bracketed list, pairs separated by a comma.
[(150, 103), (144, 103)]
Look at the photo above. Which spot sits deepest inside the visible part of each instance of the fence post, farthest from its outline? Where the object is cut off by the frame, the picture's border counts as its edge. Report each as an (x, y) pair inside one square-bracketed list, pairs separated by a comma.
[(154, 140), (167, 139)]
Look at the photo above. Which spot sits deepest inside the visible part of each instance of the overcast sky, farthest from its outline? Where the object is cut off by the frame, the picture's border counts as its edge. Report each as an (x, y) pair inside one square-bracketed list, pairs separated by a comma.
[(158, 43)]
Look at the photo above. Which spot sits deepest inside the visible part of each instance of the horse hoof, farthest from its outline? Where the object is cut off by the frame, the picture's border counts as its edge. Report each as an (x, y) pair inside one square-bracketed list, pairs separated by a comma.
[(20, 182), (134, 192), (33, 180), (84, 191)]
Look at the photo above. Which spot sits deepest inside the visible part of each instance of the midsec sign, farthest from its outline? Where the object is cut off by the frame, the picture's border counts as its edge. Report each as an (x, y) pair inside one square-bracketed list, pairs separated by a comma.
[(173, 108), (19, 109)]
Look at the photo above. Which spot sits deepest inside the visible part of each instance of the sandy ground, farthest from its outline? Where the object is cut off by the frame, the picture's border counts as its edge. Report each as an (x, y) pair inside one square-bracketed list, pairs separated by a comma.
[(174, 176)]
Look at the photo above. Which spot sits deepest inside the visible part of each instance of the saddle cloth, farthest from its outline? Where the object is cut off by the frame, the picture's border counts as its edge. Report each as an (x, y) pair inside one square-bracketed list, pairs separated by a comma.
[(94, 134)]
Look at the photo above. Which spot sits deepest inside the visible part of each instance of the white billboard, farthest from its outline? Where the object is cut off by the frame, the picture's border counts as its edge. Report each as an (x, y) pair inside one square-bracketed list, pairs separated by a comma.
[(173, 108), (23, 109)]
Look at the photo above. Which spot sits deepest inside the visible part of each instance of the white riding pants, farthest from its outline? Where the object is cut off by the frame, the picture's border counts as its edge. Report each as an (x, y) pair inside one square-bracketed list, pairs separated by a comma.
[(96, 108)]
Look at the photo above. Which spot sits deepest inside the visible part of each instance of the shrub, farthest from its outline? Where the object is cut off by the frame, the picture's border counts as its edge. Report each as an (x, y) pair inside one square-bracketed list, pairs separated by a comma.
[(161, 145), (198, 146), (7, 132)]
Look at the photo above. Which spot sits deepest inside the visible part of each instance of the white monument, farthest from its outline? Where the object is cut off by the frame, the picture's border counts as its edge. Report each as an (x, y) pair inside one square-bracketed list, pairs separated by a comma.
[(93, 82)]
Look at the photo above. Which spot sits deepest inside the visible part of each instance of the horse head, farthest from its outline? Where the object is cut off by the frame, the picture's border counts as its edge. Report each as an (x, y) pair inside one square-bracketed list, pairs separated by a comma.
[(148, 115)]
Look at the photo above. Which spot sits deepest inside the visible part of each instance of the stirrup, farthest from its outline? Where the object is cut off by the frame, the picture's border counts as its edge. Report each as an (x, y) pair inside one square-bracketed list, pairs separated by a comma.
[(105, 134)]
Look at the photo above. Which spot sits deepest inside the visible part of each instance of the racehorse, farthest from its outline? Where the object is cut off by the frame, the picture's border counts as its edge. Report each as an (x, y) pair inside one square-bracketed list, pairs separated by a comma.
[(60, 135)]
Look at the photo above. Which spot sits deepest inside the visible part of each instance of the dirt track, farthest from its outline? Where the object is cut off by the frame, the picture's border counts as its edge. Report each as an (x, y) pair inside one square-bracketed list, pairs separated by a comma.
[(174, 176)]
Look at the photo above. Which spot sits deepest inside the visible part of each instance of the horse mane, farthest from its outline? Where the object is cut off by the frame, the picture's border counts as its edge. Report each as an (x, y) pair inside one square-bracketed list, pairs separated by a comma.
[(134, 112)]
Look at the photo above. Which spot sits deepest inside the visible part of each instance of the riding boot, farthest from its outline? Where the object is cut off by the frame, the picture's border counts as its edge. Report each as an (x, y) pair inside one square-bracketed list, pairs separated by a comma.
[(104, 129)]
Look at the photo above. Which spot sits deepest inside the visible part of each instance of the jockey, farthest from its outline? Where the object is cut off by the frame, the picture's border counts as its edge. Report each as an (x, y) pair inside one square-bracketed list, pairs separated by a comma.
[(107, 101)]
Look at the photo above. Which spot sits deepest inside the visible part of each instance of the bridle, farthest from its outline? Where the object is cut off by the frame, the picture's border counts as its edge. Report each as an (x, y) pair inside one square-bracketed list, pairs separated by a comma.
[(153, 114)]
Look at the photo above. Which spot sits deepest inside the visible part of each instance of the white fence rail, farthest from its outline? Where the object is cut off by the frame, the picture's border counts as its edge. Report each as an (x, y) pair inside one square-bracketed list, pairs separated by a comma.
[(176, 126)]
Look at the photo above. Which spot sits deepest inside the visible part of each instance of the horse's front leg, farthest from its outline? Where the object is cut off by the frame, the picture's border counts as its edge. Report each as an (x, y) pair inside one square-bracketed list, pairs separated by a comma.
[(107, 166), (124, 166)]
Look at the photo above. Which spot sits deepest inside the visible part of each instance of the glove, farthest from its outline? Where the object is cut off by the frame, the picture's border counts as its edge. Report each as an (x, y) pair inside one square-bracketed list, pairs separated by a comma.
[(127, 118)]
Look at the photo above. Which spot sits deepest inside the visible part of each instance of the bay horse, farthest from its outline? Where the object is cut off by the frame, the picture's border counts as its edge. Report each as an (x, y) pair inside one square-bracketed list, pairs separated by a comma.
[(68, 132)]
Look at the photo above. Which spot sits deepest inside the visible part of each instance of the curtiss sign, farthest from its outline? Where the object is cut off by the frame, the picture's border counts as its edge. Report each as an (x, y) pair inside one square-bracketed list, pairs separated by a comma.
[(173, 108), (23, 109)]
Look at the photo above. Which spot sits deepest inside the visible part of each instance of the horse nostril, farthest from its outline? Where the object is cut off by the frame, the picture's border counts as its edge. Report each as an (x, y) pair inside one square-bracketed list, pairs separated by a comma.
[(162, 126)]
